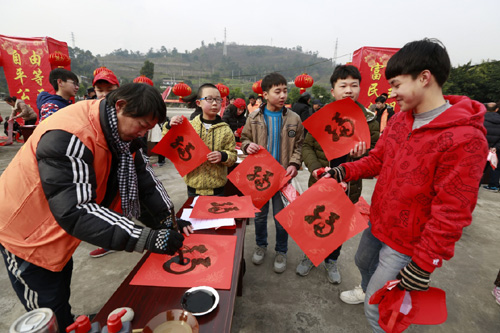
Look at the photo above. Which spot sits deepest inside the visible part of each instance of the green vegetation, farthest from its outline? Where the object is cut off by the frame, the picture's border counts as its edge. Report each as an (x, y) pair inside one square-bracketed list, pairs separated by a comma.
[(246, 64)]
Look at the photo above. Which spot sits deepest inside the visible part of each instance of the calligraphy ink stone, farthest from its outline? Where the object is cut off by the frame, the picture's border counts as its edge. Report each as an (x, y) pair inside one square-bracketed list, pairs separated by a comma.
[(198, 301)]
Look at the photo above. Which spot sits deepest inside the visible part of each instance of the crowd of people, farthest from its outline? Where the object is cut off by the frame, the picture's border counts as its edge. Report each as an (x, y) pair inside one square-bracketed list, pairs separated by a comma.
[(86, 176)]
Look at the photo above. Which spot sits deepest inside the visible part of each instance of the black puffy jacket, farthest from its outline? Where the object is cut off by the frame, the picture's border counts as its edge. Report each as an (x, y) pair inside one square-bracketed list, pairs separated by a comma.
[(492, 124)]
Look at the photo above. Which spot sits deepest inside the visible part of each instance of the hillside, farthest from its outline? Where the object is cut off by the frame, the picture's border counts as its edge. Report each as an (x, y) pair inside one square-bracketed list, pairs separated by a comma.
[(241, 67)]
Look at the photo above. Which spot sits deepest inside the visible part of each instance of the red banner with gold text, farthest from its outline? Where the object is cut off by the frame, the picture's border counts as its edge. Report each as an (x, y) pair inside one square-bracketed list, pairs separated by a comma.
[(371, 62), (26, 65)]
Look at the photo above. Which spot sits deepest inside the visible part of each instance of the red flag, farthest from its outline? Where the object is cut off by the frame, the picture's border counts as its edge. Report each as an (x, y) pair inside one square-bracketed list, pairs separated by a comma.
[(212, 207), (371, 62), (259, 176), (321, 219), (184, 147), (338, 126)]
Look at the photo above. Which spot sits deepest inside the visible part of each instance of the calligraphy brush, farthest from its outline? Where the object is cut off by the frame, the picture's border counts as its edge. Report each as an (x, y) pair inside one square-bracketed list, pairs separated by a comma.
[(174, 222)]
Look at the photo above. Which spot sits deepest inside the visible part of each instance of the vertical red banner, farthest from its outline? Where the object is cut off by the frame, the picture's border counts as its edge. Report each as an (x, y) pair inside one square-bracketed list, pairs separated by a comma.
[(26, 65), (371, 62)]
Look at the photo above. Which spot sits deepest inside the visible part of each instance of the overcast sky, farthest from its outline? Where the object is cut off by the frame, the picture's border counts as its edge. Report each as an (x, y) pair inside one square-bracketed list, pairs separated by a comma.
[(469, 29)]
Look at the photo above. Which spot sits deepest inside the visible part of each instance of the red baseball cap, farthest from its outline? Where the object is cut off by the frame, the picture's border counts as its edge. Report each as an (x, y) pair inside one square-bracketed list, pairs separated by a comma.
[(107, 76), (398, 308), (240, 103)]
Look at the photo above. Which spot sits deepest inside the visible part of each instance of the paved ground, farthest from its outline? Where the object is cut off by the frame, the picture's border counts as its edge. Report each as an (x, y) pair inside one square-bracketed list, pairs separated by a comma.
[(289, 303)]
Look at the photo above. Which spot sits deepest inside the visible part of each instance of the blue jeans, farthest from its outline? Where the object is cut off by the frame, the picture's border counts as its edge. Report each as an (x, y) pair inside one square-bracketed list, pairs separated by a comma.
[(367, 255), (261, 226), (389, 265)]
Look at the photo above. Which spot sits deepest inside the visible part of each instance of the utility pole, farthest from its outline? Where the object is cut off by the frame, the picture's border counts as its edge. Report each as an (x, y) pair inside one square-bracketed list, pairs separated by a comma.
[(334, 60), (224, 49), (73, 39)]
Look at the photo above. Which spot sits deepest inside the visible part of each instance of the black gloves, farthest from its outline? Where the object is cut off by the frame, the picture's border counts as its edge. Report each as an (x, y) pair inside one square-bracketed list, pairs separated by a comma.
[(167, 223), (164, 241), (337, 173), (182, 223), (413, 278)]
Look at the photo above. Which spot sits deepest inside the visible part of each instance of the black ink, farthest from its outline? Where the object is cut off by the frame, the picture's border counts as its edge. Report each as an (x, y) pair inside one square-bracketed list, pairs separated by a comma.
[(318, 227), (261, 184), (218, 209), (183, 151), (345, 127), (167, 266)]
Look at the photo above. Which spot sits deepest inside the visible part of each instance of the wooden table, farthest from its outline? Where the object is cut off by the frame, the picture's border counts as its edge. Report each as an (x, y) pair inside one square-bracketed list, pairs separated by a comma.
[(148, 301)]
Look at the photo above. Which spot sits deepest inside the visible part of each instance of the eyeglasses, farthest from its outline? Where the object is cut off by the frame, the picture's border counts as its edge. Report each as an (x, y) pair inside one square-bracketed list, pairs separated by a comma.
[(211, 99), (73, 82)]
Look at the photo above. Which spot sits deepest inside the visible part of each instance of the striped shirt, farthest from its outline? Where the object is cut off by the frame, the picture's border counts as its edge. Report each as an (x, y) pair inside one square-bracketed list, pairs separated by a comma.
[(273, 122)]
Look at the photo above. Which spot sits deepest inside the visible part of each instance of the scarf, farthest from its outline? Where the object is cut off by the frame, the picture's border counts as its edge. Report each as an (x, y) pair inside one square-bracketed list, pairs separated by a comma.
[(127, 176)]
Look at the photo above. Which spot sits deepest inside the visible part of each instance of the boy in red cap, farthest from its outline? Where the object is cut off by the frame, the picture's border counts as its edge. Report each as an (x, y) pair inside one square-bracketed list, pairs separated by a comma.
[(427, 178), (104, 83)]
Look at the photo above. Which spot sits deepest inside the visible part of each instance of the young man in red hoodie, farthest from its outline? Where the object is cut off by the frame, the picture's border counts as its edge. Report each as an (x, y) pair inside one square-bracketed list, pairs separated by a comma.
[(429, 163)]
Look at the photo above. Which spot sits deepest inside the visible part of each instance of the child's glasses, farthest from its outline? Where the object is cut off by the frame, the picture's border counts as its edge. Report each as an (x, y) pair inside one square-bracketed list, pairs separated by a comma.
[(211, 99)]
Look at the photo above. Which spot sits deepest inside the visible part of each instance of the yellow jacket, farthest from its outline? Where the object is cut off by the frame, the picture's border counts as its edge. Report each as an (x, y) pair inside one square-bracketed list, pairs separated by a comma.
[(208, 176)]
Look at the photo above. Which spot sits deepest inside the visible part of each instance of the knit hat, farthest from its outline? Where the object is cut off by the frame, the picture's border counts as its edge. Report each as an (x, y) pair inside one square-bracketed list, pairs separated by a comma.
[(107, 76), (240, 103)]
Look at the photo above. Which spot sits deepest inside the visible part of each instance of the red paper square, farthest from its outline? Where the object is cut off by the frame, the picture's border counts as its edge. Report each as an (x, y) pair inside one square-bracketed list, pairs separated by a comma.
[(308, 219), (212, 207), (212, 257), (184, 147), (338, 126), (259, 176)]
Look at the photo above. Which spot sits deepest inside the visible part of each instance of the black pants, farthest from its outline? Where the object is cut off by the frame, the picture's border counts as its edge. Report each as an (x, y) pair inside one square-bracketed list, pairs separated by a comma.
[(37, 287)]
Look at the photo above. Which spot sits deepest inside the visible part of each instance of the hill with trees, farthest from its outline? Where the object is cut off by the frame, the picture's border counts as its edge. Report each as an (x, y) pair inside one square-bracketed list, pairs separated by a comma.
[(245, 64)]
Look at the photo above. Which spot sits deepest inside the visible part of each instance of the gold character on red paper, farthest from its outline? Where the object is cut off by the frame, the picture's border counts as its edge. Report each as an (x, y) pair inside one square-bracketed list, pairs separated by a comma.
[(20, 75), (40, 90), (38, 76), (376, 72), (16, 58), (372, 90), (35, 59), (24, 96)]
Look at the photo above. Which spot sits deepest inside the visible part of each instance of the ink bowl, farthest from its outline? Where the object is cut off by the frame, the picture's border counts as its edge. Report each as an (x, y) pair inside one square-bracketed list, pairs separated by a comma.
[(173, 321), (200, 300)]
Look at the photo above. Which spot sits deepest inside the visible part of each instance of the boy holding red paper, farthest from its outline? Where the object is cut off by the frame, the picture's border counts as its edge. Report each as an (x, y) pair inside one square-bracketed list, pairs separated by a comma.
[(427, 184), (210, 177), (279, 130)]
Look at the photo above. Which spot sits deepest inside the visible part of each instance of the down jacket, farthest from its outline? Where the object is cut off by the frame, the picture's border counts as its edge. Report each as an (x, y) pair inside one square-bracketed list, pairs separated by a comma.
[(62, 186), (428, 180), (492, 124)]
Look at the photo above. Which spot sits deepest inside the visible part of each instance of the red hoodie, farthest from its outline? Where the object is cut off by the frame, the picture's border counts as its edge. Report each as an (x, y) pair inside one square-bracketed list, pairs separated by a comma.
[(428, 180)]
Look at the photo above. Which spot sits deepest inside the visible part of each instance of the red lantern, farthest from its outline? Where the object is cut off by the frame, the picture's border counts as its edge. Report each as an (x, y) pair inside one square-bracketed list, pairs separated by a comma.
[(143, 79), (257, 88), (101, 69), (224, 91), (181, 89), (59, 59), (304, 81)]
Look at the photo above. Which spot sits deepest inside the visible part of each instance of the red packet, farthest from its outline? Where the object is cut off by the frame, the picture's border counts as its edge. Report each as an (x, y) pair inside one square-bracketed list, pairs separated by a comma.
[(338, 126), (212, 207), (259, 176), (289, 194), (321, 219), (184, 147), (363, 207), (211, 259)]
